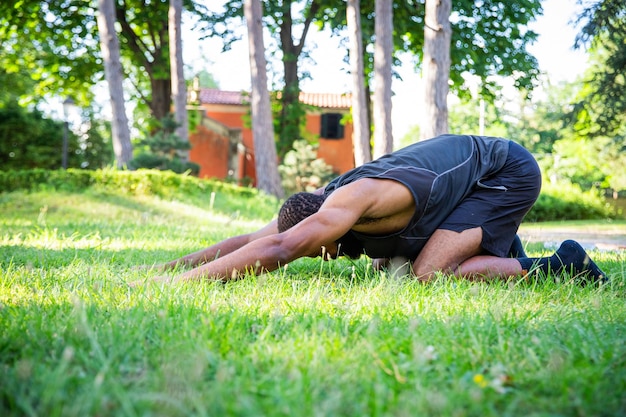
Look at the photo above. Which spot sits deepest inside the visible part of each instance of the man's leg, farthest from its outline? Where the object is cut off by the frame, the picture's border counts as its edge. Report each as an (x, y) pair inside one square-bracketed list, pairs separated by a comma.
[(460, 254)]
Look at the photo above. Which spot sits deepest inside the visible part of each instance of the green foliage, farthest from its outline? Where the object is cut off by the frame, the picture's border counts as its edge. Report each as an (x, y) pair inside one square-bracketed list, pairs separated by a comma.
[(95, 151), (604, 33), (164, 184), (566, 201), (29, 140), (289, 122), (56, 45), (52, 43), (580, 160), (163, 150), (302, 170), (487, 40)]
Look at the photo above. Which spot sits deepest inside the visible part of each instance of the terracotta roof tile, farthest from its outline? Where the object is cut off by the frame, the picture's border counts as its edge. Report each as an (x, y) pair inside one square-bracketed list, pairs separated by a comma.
[(327, 100), (322, 100), (214, 96)]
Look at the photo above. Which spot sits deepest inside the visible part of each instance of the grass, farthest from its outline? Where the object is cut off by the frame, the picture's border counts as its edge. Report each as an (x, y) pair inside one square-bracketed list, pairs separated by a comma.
[(316, 338)]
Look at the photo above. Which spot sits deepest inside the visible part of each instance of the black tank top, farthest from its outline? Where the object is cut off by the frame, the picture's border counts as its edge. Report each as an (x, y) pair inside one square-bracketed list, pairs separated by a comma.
[(439, 172)]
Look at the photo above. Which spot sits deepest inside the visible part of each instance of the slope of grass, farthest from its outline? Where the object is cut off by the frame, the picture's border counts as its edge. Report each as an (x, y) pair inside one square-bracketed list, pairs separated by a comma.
[(315, 338)]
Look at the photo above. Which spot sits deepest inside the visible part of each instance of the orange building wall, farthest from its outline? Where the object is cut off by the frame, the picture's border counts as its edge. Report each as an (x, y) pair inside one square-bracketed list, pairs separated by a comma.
[(212, 155), (233, 117), (339, 153), (210, 151)]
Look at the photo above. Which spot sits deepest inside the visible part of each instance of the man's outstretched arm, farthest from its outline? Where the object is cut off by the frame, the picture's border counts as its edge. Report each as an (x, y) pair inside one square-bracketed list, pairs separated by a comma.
[(220, 249), (271, 251)]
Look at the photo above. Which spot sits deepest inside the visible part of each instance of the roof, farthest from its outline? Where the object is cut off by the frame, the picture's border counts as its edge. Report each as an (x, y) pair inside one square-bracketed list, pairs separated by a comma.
[(322, 100)]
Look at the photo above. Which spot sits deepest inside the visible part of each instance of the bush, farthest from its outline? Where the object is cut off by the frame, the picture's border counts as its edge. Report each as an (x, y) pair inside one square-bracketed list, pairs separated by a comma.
[(563, 201), (143, 181), (567, 201), (163, 147), (302, 170)]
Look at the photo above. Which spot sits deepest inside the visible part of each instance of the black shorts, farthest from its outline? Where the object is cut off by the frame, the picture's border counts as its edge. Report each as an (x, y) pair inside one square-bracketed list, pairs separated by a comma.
[(499, 203)]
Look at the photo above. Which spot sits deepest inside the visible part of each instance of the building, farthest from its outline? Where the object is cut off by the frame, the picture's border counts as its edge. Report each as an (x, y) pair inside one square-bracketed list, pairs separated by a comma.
[(223, 144)]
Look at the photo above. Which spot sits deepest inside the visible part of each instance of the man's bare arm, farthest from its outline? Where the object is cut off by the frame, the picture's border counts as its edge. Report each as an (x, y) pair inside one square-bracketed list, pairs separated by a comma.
[(275, 250), (339, 213), (220, 249)]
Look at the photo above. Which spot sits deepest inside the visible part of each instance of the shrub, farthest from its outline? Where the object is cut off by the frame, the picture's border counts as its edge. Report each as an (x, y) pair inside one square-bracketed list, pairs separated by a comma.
[(567, 201), (563, 201), (302, 170), (163, 147)]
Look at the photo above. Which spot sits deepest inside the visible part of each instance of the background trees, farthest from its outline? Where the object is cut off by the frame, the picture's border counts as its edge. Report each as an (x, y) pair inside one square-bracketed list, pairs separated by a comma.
[(52, 49), (436, 67), (264, 147), (604, 32), (283, 26), (114, 75)]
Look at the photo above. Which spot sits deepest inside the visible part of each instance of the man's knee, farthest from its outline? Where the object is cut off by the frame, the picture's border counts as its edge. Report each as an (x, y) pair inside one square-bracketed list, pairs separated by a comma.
[(446, 250), (426, 270)]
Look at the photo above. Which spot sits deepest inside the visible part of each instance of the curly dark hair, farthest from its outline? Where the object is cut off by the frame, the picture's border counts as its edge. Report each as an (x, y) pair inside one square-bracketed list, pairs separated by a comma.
[(300, 206), (297, 208)]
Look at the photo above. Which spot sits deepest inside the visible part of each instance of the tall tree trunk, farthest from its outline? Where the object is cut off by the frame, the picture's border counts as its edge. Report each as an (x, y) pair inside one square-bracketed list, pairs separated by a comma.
[(436, 67), (266, 161), (110, 46), (179, 91), (361, 130), (383, 49), (292, 111)]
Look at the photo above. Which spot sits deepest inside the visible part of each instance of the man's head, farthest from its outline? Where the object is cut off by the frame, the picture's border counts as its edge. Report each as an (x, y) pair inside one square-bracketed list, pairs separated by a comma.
[(297, 208)]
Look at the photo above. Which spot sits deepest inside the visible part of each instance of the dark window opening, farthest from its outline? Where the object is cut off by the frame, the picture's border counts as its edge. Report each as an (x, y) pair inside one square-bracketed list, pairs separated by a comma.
[(331, 127)]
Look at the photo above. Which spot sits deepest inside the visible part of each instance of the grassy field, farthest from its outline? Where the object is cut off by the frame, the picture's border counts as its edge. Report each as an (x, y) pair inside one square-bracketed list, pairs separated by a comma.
[(313, 339)]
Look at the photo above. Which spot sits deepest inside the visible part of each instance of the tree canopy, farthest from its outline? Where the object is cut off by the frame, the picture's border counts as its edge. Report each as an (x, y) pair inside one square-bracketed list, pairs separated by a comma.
[(489, 38), (603, 31)]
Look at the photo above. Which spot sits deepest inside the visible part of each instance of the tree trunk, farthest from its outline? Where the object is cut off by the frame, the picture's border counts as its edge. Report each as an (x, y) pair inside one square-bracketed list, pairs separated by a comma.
[(383, 136), (436, 67), (361, 131), (290, 113), (179, 91), (152, 56), (266, 161), (110, 46), (160, 102)]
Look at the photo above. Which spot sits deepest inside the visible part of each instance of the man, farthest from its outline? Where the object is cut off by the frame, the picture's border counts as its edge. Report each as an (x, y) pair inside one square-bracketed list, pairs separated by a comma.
[(451, 204)]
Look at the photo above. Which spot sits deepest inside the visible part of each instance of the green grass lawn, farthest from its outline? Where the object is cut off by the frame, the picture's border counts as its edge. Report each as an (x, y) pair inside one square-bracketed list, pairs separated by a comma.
[(313, 339)]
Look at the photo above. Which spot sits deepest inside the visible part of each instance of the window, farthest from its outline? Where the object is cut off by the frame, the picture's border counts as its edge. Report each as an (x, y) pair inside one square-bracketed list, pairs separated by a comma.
[(331, 127)]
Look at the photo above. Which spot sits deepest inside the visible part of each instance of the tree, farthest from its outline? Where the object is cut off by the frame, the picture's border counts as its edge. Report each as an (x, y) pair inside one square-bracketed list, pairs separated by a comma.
[(488, 38), (604, 31), (54, 44), (360, 123), (162, 149), (266, 160), (179, 91), (436, 67), (113, 71), (29, 140), (383, 51), (281, 23)]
